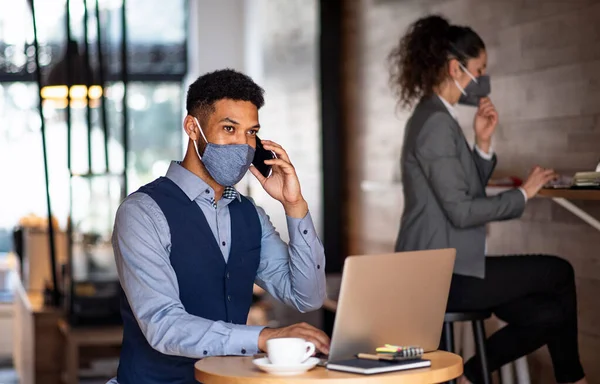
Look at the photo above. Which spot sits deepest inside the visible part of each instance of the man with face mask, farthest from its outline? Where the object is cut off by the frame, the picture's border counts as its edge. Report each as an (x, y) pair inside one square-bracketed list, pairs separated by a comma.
[(189, 247)]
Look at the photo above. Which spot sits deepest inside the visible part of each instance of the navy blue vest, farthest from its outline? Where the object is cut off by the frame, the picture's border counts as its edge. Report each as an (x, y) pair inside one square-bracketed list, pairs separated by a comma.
[(208, 287)]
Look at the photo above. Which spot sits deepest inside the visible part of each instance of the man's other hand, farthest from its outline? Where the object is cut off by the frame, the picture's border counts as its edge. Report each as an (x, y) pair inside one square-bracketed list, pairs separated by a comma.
[(300, 330)]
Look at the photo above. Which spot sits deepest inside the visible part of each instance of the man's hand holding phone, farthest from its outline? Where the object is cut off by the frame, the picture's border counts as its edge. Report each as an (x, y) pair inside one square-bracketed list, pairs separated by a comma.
[(283, 184)]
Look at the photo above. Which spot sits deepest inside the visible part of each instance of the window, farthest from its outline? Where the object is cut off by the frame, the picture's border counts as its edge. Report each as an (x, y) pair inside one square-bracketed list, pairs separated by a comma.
[(155, 127), (157, 62)]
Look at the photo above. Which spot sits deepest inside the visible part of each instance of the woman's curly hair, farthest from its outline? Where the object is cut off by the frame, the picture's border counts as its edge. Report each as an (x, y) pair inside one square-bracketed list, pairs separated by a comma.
[(417, 64)]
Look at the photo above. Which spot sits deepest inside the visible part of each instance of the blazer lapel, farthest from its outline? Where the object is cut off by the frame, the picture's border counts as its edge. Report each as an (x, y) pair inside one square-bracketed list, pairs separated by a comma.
[(465, 151)]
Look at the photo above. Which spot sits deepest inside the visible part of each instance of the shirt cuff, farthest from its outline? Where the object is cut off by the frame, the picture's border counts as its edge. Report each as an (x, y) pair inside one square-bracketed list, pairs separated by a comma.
[(524, 193), (243, 340), (301, 230), (486, 156)]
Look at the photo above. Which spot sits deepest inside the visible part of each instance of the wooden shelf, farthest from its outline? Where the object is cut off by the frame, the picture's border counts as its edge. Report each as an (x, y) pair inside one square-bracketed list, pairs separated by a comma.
[(571, 194)]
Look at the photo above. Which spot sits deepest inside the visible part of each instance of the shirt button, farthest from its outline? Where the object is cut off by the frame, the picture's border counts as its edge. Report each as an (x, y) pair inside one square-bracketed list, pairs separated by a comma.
[(228, 275), (223, 243), (318, 266), (243, 351), (228, 297), (205, 353), (207, 191), (305, 232)]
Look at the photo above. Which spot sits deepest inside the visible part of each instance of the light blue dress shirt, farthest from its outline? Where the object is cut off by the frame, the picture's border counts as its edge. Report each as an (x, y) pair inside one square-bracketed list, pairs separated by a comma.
[(294, 273)]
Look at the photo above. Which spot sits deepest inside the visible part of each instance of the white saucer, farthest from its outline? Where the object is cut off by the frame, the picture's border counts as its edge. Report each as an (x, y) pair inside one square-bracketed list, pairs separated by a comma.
[(285, 370)]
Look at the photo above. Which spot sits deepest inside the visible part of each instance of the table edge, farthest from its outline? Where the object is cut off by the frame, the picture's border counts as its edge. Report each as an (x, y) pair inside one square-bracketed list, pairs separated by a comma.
[(440, 375)]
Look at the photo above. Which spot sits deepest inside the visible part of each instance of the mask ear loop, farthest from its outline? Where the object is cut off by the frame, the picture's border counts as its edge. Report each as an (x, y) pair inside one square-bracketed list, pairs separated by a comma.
[(460, 88), (195, 141), (467, 72), (457, 55), (201, 131)]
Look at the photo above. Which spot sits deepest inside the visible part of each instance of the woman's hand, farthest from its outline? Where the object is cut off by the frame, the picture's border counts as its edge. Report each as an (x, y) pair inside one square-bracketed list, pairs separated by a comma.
[(486, 120)]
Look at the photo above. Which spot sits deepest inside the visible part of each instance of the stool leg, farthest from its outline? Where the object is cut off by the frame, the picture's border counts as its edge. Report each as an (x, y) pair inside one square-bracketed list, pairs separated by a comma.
[(522, 370), (448, 339), (449, 336), (479, 331)]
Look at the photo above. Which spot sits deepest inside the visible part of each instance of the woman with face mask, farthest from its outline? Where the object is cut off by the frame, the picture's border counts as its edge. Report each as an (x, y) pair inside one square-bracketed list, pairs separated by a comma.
[(435, 66)]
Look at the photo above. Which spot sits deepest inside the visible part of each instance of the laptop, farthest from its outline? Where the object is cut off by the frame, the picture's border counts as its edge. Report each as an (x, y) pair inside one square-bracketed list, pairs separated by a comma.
[(397, 298)]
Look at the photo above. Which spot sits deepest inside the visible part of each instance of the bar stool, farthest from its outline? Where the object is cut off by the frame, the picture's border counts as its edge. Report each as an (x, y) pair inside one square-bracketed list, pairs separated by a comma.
[(476, 319)]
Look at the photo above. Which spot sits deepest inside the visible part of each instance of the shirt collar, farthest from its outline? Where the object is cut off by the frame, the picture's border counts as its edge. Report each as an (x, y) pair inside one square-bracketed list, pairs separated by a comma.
[(193, 186), (450, 108)]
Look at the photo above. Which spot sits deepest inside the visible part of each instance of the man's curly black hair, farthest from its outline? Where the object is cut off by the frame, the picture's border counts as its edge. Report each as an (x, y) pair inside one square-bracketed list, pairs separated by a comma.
[(219, 85)]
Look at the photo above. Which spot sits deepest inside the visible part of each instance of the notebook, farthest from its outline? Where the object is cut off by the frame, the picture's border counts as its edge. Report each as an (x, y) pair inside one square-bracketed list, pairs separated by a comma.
[(369, 367), (586, 179)]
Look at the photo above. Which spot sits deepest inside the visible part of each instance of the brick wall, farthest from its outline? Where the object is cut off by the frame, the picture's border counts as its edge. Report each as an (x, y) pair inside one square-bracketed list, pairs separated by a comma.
[(544, 59), (286, 46)]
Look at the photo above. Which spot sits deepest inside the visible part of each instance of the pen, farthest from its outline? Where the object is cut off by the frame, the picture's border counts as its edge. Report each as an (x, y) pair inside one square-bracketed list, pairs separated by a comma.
[(368, 356)]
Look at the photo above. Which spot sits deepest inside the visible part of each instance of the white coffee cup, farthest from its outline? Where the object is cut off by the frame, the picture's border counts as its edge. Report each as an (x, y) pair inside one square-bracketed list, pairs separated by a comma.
[(289, 350)]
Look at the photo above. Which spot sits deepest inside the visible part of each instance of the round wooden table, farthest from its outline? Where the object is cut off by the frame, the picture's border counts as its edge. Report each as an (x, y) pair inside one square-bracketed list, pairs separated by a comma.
[(240, 370)]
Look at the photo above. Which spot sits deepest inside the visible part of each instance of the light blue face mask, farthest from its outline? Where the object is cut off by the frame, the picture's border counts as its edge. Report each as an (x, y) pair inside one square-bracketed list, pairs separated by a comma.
[(226, 163)]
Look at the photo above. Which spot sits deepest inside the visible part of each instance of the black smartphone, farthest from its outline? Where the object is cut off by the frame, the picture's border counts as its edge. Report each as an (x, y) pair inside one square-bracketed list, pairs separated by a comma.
[(260, 155)]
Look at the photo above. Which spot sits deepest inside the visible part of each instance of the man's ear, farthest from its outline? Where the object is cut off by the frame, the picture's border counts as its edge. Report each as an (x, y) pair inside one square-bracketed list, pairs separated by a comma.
[(191, 128)]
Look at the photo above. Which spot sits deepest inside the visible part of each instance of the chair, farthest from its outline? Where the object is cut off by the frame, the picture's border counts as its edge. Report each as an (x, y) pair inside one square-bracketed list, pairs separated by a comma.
[(476, 319)]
